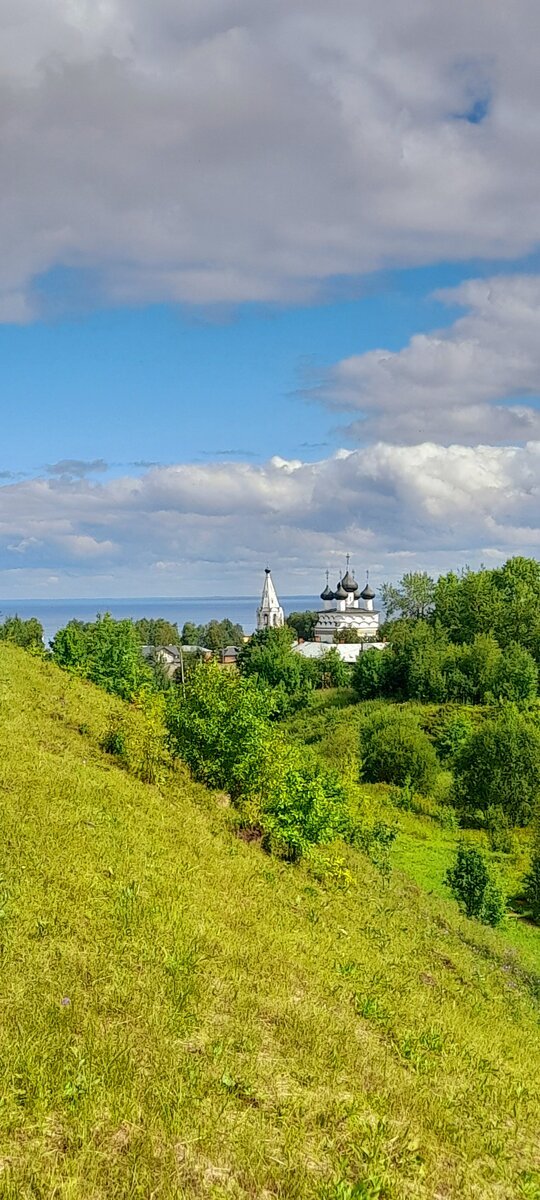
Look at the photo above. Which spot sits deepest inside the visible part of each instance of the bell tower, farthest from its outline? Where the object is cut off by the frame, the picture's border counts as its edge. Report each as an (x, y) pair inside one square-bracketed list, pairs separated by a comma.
[(270, 614)]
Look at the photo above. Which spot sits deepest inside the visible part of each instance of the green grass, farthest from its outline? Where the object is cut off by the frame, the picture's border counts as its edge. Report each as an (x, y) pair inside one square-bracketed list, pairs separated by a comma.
[(182, 1016)]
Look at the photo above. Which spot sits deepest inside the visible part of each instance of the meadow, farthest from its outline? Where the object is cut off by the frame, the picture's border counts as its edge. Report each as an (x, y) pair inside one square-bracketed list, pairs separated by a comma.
[(182, 1015)]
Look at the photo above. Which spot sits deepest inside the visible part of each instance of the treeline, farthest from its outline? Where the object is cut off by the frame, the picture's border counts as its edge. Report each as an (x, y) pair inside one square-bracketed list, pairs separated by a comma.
[(471, 638)]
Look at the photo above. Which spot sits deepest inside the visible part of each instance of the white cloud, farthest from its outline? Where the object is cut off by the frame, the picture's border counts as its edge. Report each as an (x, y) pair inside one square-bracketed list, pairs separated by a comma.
[(462, 383), (191, 529), (239, 150)]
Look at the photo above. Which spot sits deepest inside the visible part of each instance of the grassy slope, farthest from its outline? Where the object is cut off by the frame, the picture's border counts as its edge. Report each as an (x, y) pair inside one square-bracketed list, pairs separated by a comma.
[(423, 849), (233, 1028)]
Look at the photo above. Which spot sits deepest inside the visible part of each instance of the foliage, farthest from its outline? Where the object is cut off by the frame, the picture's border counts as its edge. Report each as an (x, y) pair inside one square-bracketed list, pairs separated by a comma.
[(347, 636), (303, 624), (331, 671), (156, 631), (106, 651), (475, 887), (393, 749), (28, 634), (503, 601), (137, 737), (306, 807), (531, 889), (368, 674), (215, 635), (222, 730), (413, 596), (421, 664), (268, 658), (452, 733), (499, 766)]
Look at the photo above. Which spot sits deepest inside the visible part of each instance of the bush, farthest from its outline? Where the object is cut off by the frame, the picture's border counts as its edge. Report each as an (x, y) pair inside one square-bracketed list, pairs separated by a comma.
[(393, 749), (499, 766), (306, 808), (475, 887), (137, 737)]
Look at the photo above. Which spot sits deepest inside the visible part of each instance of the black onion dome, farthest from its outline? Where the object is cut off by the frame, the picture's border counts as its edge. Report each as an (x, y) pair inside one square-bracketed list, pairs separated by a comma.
[(368, 593), (349, 582), (340, 593), (327, 594)]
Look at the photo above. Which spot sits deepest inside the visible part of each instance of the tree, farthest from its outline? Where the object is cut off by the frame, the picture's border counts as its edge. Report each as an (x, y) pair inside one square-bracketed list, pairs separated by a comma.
[(393, 749), (368, 676), (413, 597), (156, 631), (268, 657), (214, 636), (499, 765), (106, 651), (331, 670), (303, 624), (516, 675), (475, 887), (26, 634)]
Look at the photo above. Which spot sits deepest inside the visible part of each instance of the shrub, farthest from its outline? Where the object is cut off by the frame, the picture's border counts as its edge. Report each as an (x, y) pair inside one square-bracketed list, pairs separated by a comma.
[(137, 737), (499, 766), (475, 887), (307, 807), (393, 749)]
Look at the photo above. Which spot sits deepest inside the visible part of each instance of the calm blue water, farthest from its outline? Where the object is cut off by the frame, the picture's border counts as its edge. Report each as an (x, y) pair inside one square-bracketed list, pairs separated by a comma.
[(54, 614)]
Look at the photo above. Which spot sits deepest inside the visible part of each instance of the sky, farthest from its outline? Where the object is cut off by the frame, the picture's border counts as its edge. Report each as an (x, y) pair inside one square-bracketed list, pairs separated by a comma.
[(269, 292)]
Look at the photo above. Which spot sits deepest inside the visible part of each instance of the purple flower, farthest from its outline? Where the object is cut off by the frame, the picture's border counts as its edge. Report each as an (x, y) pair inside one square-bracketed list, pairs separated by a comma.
[(65, 1001)]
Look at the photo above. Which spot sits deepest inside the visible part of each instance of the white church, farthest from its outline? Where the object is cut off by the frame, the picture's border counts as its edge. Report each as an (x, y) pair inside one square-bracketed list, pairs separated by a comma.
[(346, 608)]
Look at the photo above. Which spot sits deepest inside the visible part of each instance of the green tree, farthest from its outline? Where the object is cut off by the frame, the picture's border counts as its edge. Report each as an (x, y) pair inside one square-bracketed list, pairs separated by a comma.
[(413, 596), (214, 636), (268, 658), (393, 749), (156, 631), (516, 675), (28, 634), (303, 624), (475, 887), (106, 651), (499, 765), (368, 676), (331, 670)]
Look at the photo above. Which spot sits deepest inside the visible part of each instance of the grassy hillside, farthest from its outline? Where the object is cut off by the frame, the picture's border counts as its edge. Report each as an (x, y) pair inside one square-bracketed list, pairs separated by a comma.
[(182, 1016)]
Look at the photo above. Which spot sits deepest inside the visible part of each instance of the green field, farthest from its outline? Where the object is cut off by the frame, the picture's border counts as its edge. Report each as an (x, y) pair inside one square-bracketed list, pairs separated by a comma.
[(183, 1016)]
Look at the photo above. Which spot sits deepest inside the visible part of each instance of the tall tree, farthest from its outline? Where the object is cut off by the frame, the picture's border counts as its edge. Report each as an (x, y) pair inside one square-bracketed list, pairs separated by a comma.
[(413, 596)]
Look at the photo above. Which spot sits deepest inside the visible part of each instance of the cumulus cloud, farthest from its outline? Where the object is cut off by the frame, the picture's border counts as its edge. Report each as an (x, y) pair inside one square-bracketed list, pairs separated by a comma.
[(221, 152), (463, 383), (189, 528)]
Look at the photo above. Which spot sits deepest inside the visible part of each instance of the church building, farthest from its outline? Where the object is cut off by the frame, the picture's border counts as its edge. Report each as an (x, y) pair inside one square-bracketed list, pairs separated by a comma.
[(345, 608)]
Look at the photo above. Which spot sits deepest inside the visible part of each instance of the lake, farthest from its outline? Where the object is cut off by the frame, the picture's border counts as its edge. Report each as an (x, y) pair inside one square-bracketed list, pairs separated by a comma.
[(54, 614)]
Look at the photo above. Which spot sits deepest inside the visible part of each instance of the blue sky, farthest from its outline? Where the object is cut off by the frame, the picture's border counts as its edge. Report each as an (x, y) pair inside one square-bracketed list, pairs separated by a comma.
[(269, 290), (161, 383)]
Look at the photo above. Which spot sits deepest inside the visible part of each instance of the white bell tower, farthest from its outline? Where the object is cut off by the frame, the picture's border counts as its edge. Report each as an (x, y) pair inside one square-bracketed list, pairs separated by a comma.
[(270, 614)]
